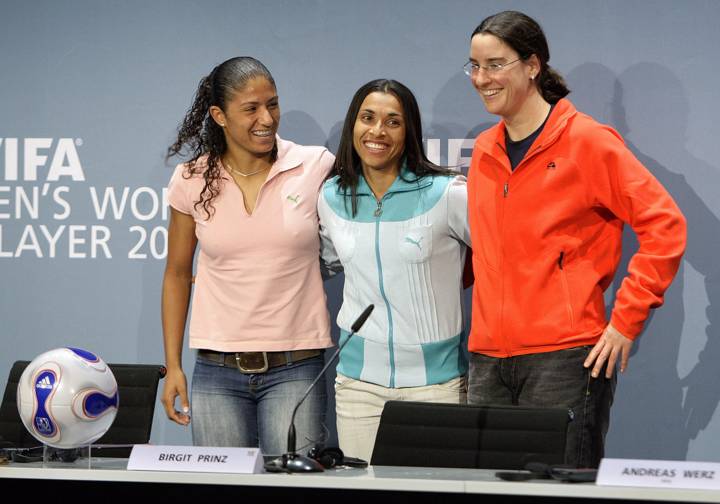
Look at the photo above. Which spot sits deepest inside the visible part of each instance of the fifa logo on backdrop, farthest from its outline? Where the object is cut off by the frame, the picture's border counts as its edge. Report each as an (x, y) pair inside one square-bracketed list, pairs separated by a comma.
[(27, 158), (457, 155)]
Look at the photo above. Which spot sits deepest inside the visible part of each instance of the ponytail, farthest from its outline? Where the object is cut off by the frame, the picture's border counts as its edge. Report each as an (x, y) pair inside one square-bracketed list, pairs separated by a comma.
[(551, 85), (197, 128), (199, 134)]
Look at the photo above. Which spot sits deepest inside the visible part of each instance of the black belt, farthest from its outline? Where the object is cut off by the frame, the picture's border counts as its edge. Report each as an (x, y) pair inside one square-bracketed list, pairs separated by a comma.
[(258, 362)]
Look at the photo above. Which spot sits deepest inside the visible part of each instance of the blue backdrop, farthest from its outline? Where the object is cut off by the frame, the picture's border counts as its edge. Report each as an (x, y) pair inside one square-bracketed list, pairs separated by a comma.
[(93, 91)]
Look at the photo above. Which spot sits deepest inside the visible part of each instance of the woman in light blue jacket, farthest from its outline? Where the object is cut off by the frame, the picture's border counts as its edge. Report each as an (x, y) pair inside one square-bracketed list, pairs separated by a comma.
[(397, 225)]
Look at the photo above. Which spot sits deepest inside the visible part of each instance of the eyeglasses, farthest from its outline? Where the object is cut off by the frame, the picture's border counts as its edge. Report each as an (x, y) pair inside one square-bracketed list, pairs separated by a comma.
[(471, 68)]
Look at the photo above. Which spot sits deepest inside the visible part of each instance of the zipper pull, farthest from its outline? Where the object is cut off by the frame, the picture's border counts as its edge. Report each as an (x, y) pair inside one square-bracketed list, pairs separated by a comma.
[(560, 259), (506, 189), (378, 210)]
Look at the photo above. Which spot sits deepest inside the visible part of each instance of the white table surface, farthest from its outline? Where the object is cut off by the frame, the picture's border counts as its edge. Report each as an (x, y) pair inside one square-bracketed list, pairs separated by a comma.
[(415, 479)]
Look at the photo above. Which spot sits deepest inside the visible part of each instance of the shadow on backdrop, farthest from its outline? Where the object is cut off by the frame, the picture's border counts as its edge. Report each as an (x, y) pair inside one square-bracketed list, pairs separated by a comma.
[(333, 139), (661, 404), (301, 128)]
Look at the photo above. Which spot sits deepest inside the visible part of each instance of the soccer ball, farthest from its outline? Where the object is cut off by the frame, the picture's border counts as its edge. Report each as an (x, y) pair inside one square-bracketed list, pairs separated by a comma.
[(67, 397)]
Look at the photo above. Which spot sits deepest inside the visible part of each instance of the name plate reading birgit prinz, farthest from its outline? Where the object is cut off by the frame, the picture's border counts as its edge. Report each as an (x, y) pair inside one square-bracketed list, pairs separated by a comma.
[(195, 459), (659, 474)]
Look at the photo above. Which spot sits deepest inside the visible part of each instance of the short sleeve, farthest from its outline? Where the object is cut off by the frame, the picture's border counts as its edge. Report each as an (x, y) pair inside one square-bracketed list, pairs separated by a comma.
[(178, 193), (322, 165)]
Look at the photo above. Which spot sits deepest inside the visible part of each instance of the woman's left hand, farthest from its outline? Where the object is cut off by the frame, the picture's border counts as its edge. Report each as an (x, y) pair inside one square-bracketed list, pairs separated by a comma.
[(611, 345)]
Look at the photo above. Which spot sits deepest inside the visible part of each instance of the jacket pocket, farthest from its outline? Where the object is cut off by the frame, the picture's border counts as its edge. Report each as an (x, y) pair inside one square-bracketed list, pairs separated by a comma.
[(415, 243), (566, 289)]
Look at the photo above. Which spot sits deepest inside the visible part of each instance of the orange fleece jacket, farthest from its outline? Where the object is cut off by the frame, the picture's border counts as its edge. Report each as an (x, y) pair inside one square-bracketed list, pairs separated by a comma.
[(547, 237)]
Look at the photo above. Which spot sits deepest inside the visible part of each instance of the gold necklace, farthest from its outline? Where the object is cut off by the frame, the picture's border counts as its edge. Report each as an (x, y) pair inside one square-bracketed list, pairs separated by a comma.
[(238, 172)]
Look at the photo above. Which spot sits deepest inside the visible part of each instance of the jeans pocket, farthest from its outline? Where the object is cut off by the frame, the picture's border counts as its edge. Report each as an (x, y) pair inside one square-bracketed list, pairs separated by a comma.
[(342, 381), (458, 384)]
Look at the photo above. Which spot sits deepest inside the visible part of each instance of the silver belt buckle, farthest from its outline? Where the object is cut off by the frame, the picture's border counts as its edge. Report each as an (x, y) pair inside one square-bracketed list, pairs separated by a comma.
[(255, 370)]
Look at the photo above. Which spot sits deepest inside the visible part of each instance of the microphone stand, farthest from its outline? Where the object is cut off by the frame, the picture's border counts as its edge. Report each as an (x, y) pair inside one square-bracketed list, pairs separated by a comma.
[(292, 461)]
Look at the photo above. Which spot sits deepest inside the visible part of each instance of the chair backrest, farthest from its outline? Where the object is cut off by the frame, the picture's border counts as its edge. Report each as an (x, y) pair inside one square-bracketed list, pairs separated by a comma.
[(137, 389), (12, 430), (487, 437)]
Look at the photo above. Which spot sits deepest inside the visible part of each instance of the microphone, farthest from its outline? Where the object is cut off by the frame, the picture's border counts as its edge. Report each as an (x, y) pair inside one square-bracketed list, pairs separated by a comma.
[(291, 461)]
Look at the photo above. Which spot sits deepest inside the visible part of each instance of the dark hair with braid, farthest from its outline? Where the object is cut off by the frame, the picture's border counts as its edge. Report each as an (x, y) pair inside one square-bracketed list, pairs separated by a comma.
[(526, 37), (348, 167), (200, 135)]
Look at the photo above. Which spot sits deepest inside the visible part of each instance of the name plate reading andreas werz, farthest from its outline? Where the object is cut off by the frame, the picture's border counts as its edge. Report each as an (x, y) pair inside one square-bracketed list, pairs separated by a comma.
[(659, 474), (196, 459)]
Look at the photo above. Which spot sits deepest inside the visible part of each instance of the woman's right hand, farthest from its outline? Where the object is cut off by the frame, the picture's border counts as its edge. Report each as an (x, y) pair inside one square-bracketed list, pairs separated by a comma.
[(176, 288), (176, 385)]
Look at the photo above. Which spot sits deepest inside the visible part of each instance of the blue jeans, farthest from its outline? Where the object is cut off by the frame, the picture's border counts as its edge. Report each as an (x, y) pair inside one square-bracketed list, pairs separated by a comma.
[(551, 379), (230, 408)]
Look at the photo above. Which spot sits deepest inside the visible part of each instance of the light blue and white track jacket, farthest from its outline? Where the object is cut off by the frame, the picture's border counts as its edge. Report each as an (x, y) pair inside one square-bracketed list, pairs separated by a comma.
[(404, 254)]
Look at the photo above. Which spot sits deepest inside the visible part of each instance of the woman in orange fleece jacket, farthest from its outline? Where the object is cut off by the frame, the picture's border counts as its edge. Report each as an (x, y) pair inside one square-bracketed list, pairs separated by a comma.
[(549, 192)]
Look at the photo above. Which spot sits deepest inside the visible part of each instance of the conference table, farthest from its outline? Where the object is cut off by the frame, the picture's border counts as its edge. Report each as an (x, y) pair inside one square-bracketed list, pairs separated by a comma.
[(109, 478)]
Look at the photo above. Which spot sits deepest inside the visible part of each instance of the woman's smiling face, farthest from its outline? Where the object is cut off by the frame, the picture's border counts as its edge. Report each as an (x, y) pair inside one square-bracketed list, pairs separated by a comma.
[(251, 117), (379, 132), (503, 91)]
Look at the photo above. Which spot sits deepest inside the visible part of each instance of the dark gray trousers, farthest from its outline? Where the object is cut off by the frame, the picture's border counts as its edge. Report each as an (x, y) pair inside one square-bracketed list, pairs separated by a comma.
[(551, 379)]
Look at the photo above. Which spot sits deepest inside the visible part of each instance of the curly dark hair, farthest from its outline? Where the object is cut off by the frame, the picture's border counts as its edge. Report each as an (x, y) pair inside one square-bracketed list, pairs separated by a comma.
[(200, 135), (348, 167)]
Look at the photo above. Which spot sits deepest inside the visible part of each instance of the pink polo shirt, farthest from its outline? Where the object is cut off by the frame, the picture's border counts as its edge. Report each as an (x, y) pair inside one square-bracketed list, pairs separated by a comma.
[(258, 285)]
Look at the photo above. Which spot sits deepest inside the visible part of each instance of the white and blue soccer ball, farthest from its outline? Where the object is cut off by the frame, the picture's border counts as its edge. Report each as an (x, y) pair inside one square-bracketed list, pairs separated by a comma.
[(67, 397)]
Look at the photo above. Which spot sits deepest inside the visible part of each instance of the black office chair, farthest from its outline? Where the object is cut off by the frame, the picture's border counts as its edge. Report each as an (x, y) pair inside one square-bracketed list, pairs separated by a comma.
[(486, 437), (137, 388)]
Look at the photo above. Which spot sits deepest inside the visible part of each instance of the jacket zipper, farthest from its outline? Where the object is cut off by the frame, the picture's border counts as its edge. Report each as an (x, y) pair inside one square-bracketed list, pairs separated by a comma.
[(566, 288), (378, 210), (506, 186), (506, 192), (506, 339), (391, 351)]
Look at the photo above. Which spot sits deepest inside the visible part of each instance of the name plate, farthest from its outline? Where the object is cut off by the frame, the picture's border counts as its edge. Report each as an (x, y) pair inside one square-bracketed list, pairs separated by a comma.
[(659, 473), (195, 459)]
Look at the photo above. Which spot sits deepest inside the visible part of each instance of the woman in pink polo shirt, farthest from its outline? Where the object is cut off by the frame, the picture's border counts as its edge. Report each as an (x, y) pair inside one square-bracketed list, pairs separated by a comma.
[(259, 319)]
